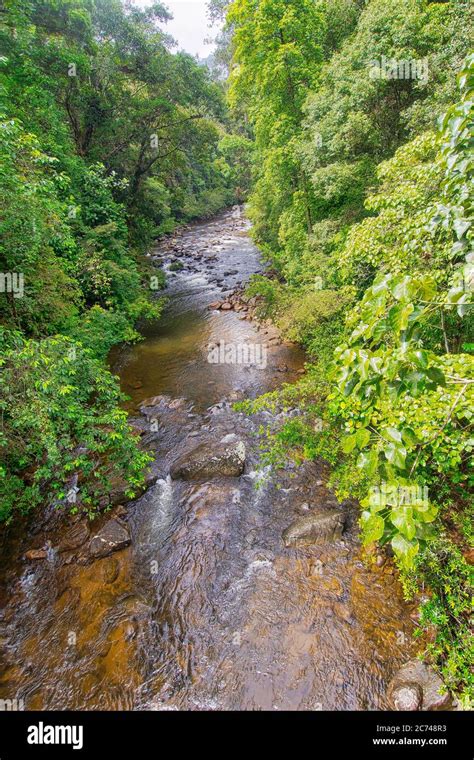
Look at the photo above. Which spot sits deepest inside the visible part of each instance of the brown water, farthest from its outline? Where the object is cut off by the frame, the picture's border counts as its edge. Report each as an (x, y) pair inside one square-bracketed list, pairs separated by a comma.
[(217, 257), (206, 609)]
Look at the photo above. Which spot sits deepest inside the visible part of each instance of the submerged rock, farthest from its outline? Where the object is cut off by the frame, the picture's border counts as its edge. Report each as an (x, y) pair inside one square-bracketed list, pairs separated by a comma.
[(209, 460), (112, 537), (320, 525), (109, 569), (418, 674), (35, 554)]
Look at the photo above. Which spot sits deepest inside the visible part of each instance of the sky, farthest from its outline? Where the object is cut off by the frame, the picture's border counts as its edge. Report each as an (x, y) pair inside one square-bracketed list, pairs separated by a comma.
[(190, 25)]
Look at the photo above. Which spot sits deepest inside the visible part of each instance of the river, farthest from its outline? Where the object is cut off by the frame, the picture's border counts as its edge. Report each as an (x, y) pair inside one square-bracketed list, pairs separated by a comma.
[(206, 609)]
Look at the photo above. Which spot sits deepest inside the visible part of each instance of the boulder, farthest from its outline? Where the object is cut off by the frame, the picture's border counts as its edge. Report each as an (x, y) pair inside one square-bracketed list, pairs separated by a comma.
[(210, 460), (407, 696), (320, 525), (417, 673), (75, 537), (112, 537), (236, 395), (342, 611)]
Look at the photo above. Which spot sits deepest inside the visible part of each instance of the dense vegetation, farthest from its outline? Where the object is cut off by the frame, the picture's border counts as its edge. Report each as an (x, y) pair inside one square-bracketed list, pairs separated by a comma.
[(353, 119), (362, 114), (109, 139)]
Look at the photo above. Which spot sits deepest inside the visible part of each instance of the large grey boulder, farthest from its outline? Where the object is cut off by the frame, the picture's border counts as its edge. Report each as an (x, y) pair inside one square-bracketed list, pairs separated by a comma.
[(418, 674), (112, 537), (319, 525), (210, 460)]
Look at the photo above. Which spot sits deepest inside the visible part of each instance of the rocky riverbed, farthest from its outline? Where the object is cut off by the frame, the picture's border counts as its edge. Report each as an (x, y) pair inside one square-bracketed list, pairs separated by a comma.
[(225, 585)]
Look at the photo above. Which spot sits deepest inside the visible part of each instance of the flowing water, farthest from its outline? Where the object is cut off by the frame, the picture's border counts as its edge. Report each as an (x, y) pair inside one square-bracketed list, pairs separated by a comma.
[(206, 609)]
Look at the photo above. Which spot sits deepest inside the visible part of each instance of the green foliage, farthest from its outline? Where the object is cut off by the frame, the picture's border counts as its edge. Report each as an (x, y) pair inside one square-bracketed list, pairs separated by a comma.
[(236, 163), (277, 53), (99, 329), (445, 614), (312, 316), (412, 405), (322, 124), (61, 425), (108, 140), (36, 240)]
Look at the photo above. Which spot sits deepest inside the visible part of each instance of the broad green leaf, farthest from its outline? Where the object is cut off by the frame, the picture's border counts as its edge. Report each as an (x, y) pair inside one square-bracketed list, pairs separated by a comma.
[(373, 527), (348, 443), (392, 434), (362, 437), (405, 550), (395, 454), (402, 518), (368, 461)]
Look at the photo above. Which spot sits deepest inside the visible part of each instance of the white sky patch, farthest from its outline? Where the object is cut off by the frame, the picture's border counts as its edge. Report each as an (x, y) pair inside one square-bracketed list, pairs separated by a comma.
[(190, 25)]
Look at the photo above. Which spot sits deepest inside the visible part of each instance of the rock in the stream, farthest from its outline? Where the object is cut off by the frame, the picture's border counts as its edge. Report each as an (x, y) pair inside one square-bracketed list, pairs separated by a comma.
[(153, 401), (236, 395), (177, 403), (112, 537), (75, 537), (401, 689), (407, 697), (209, 460), (36, 554), (109, 569), (320, 525)]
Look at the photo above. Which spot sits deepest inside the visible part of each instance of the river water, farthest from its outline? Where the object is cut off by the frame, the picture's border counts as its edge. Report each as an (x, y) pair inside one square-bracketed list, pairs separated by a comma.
[(207, 609)]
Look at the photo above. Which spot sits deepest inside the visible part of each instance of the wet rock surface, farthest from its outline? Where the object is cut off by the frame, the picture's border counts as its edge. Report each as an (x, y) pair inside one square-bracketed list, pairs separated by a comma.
[(112, 537), (407, 696), (319, 525), (35, 554), (74, 537), (419, 677), (209, 460)]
